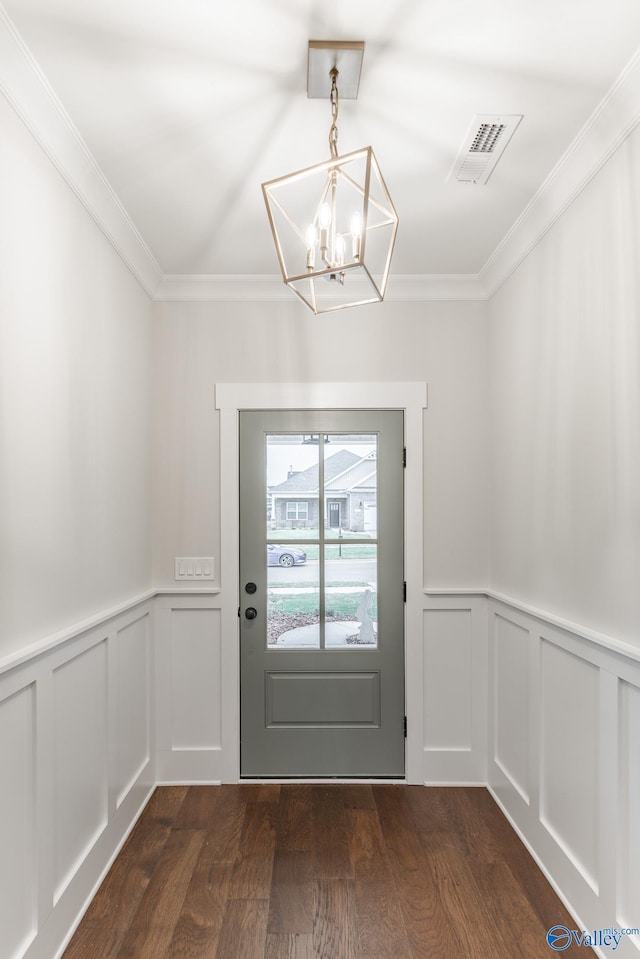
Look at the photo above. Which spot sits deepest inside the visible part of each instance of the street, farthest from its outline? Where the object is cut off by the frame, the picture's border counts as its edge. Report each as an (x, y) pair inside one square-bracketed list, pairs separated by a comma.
[(337, 570)]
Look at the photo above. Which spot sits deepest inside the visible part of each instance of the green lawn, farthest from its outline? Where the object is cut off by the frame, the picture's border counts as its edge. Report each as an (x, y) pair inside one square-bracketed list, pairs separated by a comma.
[(341, 604), (341, 550)]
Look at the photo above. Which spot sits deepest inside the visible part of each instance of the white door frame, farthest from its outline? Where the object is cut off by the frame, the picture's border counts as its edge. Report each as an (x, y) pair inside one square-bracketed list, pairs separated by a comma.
[(230, 398)]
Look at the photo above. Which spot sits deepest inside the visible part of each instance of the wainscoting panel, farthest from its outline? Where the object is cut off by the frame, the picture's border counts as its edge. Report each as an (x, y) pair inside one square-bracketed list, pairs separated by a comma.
[(133, 711), (511, 705), (92, 720), (76, 754), (81, 760), (628, 914), (454, 681), (189, 688), (18, 878), (571, 704), (195, 688), (447, 679), (569, 756)]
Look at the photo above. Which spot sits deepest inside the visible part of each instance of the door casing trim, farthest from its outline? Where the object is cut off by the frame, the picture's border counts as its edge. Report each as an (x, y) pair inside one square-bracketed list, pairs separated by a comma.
[(230, 398)]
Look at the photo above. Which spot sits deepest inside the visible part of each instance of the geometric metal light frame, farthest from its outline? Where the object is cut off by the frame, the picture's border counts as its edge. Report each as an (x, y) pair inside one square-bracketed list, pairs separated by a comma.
[(334, 224), (354, 188)]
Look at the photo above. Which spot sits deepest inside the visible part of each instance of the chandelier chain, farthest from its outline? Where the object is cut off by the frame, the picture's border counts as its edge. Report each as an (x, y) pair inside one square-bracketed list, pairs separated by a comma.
[(335, 106)]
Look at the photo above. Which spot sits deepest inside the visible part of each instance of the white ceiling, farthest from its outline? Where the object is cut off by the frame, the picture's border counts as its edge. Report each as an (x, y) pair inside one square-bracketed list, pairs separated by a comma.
[(188, 106)]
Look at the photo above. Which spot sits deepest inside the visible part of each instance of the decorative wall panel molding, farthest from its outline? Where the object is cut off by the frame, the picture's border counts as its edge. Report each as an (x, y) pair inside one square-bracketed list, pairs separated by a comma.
[(447, 679), (569, 755), (80, 768), (511, 704), (77, 756), (79, 737), (628, 873), (18, 870), (133, 712), (189, 688), (580, 815), (454, 683)]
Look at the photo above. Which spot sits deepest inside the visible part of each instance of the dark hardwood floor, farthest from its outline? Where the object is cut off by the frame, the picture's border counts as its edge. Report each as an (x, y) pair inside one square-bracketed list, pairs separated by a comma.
[(321, 872)]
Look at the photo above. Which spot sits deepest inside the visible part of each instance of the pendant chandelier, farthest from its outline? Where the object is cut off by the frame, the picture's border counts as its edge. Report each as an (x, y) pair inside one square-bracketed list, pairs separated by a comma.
[(334, 224)]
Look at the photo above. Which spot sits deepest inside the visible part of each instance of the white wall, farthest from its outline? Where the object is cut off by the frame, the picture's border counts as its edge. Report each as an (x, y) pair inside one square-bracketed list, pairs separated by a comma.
[(565, 412), (199, 345), (444, 344), (75, 358), (564, 621), (76, 737)]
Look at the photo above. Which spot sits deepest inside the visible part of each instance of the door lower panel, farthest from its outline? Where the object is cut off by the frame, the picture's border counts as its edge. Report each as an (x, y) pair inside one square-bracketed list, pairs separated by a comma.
[(322, 699)]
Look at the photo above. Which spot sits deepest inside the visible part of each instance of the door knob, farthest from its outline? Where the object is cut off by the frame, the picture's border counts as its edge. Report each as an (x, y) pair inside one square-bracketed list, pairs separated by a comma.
[(251, 612)]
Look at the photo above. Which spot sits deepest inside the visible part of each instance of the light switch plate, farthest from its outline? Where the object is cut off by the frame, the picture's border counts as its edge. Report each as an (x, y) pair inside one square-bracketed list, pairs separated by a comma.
[(194, 567)]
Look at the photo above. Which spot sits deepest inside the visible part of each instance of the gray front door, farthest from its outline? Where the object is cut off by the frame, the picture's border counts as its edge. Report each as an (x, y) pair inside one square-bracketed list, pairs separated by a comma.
[(321, 608)]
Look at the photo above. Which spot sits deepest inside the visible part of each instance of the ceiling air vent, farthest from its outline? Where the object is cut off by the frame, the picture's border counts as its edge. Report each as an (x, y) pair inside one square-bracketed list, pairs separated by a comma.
[(482, 147)]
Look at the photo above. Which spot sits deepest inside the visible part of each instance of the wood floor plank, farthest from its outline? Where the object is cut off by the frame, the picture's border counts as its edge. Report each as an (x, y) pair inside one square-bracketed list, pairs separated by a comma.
[(124, 885), (165, 803), (430, 931), (471, 914), (380, 924), (251, 875), (200, 921), (110, 913), (292, 900), (266, 792), (94, 940), (224, 834), (289, 947), (398, 828), (436, 812), (295, 819), (541, 898), (244, 930), (517, 922), (366, 846), (357, 797), (152, 926), (322, 872), (479, 837), (197, 811), (330, 847), (335, 929)]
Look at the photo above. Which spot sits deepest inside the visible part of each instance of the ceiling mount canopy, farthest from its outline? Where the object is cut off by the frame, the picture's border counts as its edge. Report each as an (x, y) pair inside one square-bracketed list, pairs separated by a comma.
[(334, 224)]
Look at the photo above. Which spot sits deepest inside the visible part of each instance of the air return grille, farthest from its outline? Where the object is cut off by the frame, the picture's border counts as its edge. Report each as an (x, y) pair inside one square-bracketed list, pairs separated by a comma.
[(486, 139), (482, 147)]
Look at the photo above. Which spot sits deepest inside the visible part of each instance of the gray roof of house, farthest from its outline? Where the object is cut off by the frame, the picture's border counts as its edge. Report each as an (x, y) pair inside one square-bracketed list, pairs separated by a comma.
[(306, 481), (359, 475)]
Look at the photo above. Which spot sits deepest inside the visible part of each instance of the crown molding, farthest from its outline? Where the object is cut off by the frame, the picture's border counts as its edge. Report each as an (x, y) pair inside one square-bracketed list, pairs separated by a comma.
[(30, 94), (609, 125), (264, 288), (28, 91)]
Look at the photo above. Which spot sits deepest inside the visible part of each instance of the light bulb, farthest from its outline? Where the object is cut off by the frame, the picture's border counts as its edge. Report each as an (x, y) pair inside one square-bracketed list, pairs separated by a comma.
[(324, 219), (324, 216), (340, 248), (311, 238), (356, 233)]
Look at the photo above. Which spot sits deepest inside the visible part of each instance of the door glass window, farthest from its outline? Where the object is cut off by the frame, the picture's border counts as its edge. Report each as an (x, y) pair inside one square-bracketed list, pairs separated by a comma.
[(322, 558)]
